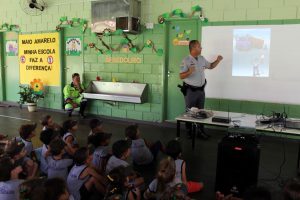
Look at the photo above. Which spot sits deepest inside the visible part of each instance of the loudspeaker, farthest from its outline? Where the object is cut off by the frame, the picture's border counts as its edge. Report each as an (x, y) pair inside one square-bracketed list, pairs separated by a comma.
[(237, 164)]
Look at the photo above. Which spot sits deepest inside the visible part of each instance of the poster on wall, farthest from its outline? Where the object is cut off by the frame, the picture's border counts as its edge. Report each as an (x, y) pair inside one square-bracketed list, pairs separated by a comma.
[(11, 48), (182, 36), (39, 58), (73, 46)]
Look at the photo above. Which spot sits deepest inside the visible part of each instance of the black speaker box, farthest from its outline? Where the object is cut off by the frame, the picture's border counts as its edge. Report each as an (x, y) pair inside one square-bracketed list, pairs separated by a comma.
[(237, 164)]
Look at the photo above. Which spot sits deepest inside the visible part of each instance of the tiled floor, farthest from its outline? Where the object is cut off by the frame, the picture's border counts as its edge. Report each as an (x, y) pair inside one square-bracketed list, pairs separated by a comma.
[(201, 163)]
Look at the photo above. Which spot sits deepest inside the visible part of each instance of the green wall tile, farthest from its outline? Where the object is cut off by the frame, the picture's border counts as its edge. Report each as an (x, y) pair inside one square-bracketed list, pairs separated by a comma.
[(155, 98), (105, 76), (104, 111), (120, 77), (156, 69), (147, 116), (134, 115), (246, 4), (126, 68), (156, 88), (235, 15), (145, 107), (223, 4), (156, 108), (142, 68), (153, 59), (136, 77), (96, 67), (258, 14), (284, 13), (91, 58), (111, 68), (126, 106), (152, 78), (271, 3), (118, 113), (292, 3)]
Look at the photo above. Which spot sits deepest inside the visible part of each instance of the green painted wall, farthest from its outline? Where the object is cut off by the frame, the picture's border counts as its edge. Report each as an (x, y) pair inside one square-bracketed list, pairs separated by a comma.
[(152, 69)]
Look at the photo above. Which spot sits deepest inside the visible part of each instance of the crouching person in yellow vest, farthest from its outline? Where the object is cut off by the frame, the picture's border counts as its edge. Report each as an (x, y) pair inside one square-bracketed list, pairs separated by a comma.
[(73, 96)]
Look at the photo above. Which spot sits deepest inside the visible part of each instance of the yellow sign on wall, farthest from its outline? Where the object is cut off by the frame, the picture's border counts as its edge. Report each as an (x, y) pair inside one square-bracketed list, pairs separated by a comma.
[(39, 58)]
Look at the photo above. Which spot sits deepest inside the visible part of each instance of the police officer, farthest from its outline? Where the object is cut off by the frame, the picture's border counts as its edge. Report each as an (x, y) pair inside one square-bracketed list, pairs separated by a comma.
[(73, 96), (193, 76)]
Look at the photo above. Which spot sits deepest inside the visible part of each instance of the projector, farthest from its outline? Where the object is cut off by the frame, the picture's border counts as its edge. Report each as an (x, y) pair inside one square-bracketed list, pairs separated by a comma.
[(220, 119)]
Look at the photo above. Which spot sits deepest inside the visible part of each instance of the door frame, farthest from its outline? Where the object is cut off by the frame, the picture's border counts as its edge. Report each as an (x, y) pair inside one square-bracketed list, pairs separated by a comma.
[(2, 80), (166, 61)]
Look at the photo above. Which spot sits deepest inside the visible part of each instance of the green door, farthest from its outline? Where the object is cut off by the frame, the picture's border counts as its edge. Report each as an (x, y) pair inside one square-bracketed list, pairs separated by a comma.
[(73, 64), (179, 33), (10, 67)]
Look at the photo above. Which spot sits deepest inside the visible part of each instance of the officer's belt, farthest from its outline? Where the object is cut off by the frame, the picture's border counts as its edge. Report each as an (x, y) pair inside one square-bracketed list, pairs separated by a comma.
[(195, 88)]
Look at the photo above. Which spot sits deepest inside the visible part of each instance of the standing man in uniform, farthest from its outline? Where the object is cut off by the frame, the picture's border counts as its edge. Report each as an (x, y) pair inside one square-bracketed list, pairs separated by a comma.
[(193, 76), (73, 96)]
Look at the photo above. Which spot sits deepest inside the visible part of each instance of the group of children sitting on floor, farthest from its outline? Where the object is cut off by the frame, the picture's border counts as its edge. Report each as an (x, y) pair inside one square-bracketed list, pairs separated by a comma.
[(66, 170)]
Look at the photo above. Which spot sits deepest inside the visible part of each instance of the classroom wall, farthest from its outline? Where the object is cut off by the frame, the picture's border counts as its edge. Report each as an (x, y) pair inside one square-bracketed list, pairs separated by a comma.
[(151, 70)]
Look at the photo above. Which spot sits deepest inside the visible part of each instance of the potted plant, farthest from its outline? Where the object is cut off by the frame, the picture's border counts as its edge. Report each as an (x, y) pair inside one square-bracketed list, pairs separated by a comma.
[(30, 94)]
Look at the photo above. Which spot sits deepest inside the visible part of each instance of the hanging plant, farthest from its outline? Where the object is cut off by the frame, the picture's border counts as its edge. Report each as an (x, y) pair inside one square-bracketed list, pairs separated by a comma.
[(74, 22), (179, 13), (124, 41), (9, 27)]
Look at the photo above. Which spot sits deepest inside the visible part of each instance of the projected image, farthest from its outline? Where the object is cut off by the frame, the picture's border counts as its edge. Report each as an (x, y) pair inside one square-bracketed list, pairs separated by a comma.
[(251, 50)]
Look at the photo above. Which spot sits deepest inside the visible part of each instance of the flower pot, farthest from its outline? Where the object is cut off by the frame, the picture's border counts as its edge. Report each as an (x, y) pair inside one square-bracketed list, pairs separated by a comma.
[(31, 107)]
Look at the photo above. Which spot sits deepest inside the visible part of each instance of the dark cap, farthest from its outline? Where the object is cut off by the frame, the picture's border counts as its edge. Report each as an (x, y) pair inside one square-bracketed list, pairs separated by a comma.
[(26, 129)]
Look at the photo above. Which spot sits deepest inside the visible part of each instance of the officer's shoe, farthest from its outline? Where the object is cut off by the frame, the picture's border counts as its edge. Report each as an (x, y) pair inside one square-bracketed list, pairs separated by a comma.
[(70, 113), (82, 115)]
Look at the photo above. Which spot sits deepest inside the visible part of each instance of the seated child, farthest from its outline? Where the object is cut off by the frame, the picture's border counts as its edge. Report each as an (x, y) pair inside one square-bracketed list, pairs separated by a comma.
[(69, 128), (119, 185), (33, 189), (57, 165), (16, 150), (164, 179), (26, 134), (47, 123), (96, 126), (291, 190), (121, 152), (174, 150), (100, 141), (143, 153), (178, 192), (9, 181), (82, 177), (56, 189), (46, 137)]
